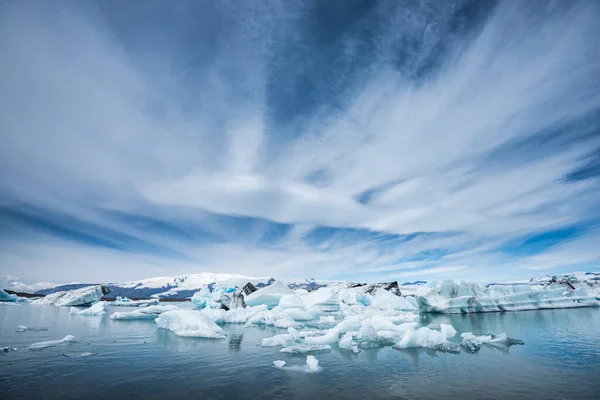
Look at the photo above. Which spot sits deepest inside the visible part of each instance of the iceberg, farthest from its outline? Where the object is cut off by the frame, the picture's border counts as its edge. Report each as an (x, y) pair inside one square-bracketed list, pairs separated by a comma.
[(324, 299), (150, 312), (7, 349), (269, 295), (78, 297), (313, 363), (189, 323), (51, 343), (330, 337), (96, 309), (346, 342), (467, 297), (23, 328), (425, 337), (284, 339), (279, 363), (125, 302), (384, 299), (12, 298), (291, 301), (306, 348)]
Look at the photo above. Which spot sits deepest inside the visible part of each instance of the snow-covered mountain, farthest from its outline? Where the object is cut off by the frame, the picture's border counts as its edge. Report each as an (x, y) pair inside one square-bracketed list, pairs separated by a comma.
[(180, 286)]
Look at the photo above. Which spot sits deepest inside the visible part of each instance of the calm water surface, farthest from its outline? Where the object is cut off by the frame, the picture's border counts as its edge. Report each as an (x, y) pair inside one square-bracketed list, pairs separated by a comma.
[(560, 360)]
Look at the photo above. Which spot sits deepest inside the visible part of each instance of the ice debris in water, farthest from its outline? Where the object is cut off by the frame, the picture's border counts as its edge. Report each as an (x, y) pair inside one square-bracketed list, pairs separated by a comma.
[(312, 362), (96, 309), (472, 343), (125, 302), (306, 348), (23, 328), (83, 355), (425, 337), (7, 349), (279, 363), (51, 343), (346, 342), (150, 312), (189, 323)]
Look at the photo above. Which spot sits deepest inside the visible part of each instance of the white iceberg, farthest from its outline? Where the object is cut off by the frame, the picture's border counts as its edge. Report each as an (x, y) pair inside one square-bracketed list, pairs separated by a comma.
[(346, 342), (284, 339), (425, 337), (325, 299), (313, 363), (51, 343), (279, 363), (189, 323), (78, 297), (306, 348), (330, 337), (384, 299), (467, 297), (269, 295), (150, 312), (291, 301), (96, 309), (125, 302), (472, 343)]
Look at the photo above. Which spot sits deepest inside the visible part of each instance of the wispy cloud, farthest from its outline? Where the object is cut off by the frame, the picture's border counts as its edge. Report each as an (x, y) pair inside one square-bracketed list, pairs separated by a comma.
[(403, 140)]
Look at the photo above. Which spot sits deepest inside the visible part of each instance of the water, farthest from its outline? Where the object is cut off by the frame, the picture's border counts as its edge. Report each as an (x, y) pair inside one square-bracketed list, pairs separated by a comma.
[(560, 360)]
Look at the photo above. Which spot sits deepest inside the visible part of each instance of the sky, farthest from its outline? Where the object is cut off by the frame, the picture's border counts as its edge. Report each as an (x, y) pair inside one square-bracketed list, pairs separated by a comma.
[(355, 140)]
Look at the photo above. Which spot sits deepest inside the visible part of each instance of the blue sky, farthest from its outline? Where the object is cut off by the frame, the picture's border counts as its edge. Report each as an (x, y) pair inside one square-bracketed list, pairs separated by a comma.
[(337, 140)]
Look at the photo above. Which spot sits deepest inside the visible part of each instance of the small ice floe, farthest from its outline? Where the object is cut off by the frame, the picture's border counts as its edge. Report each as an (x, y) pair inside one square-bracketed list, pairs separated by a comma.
[(473, 344), (307, 348), (7, 349), (51, 343), (428, 338), (96, 309), (190, 323), (78, 355), (312, 365), (150, 312), (23, 328), (346, 342)]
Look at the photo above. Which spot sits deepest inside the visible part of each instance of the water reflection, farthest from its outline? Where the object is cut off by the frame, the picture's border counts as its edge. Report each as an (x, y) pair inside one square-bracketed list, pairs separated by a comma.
[(235, 341)]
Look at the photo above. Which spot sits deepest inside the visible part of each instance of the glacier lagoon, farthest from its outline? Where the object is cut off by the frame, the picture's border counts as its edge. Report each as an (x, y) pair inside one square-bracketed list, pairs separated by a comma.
[(125, 359)]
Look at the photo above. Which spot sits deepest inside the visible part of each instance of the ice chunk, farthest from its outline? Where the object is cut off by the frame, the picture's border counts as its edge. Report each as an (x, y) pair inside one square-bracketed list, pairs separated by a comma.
[(96, 309), (284, 339), (23, 328), (51, 343), (346, 342), (472, 343), (269, 295), (295, 334), (330, 337), (7, 349), (291, 301), (425, 337), (466, 297), (189, 323), (324, 299), (385, 300), (150, 312), (306, 348), (235, 316), (279, 363), (301, 314), (313, 363), (79, 297), (12, 298), (125, 302)]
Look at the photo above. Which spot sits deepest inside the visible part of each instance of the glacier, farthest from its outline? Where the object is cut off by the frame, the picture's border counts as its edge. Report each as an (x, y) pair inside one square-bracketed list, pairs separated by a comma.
[(78, 297), (189, 323)]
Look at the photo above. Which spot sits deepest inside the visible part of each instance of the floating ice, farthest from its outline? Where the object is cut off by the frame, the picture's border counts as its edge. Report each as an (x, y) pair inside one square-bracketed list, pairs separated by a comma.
[(235, 316), (150, 312), (306, 348), (7, 349), (450, 297), (313, 363), (79, 297), (279, 363), (125, 302), (284, 339), (51, 343), (425, 337), (472, 343), (388, 300), (324, 299), (269, 295), (23, 328), (291, 301), (96, 309), (330, 337), (189, 323), (346, 342), (12, 298), (83, 355)]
